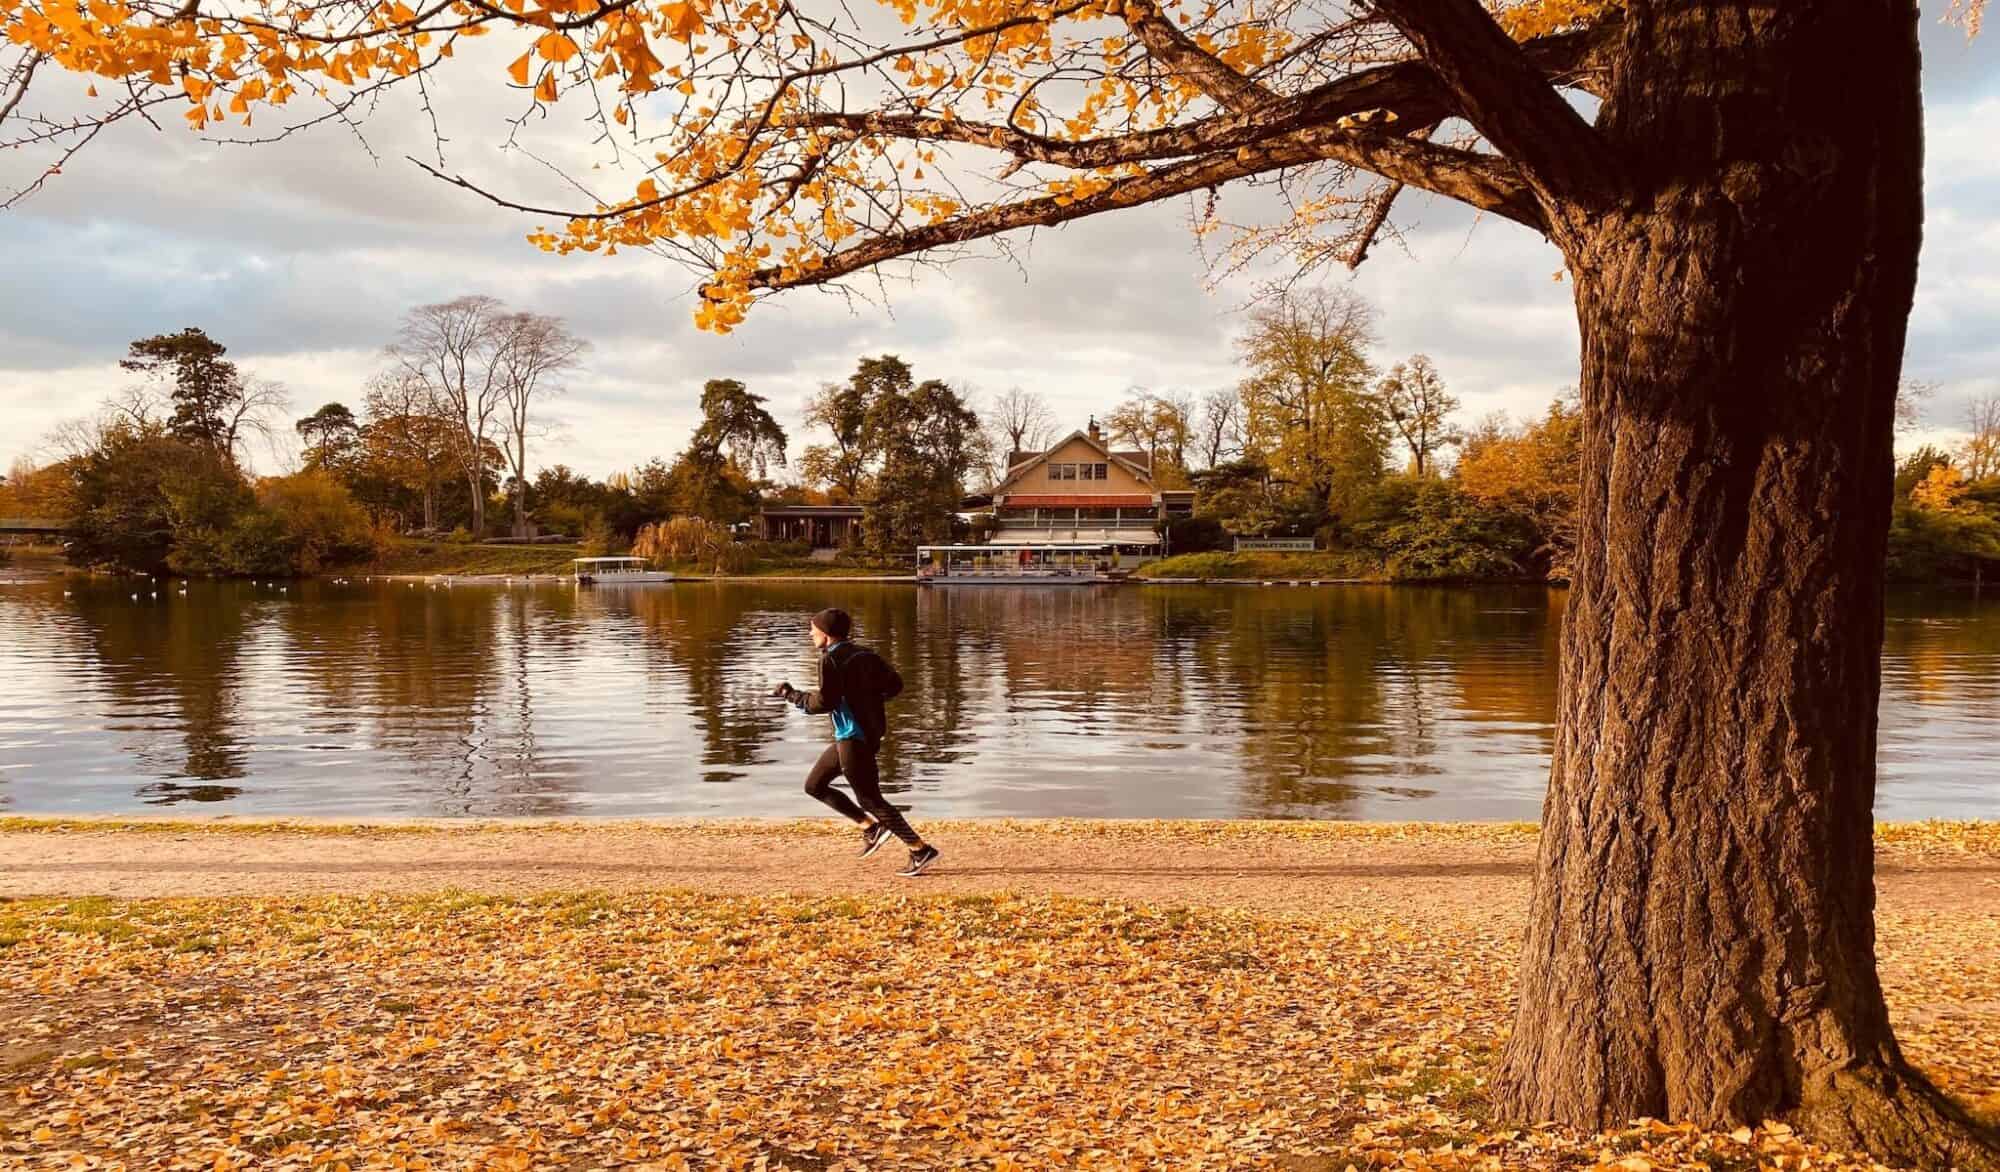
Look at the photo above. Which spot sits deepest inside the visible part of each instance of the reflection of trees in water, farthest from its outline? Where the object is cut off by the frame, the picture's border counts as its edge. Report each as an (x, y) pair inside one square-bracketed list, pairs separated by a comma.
[(1942, 646), (1493, 631), (444, 678), (155, 651), (1323, 688), (1300, 667), (931, 721), (702, 633), (1279, 702)]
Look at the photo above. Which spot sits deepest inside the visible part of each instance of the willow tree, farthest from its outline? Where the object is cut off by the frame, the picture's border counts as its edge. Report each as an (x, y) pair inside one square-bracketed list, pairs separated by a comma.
[(1736, 192)]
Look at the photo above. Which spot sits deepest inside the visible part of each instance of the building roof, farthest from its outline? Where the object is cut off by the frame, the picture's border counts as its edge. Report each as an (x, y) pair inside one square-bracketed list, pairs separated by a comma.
[(1141, 467), (810, 511), (1087, 500), (1017, 457)]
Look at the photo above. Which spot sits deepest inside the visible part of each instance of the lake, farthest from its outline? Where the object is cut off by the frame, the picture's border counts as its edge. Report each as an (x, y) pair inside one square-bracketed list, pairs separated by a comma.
[(385, 699)]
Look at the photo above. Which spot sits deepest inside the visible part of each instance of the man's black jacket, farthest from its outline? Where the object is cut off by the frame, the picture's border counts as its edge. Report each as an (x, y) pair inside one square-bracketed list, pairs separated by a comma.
[(862, 679)]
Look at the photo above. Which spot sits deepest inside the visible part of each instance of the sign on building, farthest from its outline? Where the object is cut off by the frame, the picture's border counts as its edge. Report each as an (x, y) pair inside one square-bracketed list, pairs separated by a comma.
[(1274, 545)]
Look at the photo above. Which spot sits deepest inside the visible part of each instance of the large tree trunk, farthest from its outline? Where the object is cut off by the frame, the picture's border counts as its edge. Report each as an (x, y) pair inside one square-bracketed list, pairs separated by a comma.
[(1702, 944)]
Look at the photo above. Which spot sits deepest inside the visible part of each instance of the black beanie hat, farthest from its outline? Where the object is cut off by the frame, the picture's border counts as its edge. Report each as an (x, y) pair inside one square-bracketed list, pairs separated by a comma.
[(834, 621)]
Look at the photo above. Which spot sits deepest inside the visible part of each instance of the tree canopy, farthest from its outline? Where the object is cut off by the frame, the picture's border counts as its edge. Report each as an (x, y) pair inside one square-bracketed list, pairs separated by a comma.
[(782, 147)]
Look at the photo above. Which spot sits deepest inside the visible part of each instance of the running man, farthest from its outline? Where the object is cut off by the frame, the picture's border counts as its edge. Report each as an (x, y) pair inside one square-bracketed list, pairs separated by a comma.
[(853, 684)]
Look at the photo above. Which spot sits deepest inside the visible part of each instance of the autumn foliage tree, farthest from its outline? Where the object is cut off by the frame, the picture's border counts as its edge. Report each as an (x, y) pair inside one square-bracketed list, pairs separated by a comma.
[(1737, 195)]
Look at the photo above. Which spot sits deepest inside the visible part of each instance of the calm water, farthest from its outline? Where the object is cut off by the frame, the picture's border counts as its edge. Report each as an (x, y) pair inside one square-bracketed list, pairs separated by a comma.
[(384, 699)]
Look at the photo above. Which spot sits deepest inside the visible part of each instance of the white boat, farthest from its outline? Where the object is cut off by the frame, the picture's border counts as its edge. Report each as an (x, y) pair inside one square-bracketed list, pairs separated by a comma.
[(616, 572), (1037, 564)]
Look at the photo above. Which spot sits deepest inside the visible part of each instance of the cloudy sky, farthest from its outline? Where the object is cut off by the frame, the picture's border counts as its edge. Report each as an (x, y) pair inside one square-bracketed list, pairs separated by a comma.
[(302, 256)]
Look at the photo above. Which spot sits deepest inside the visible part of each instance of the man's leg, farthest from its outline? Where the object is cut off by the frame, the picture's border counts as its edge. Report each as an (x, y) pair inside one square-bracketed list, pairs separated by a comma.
[(819, 785), (857, 761)]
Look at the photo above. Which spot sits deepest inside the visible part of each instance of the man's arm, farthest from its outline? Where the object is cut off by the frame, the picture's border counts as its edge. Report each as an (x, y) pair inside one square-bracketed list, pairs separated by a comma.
[(827, 696)]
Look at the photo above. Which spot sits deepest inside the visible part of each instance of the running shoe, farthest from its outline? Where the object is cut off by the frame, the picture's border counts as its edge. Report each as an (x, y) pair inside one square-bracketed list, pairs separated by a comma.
[(872, 838), (920, 861)]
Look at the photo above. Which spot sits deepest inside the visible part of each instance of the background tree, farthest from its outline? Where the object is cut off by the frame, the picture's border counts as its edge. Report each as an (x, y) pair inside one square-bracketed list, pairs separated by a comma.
[(1308, 413), (737, 440), (405, 442), (1018, 421), (453, 350), (204, 387), (1162, 426), (214, 404), (929, 441), (331, 435), (1534, 473), (535, 352), (1978, 458), (1219, 430), (1420, 408), (841, 466), (1942, 531), (1701, 945)]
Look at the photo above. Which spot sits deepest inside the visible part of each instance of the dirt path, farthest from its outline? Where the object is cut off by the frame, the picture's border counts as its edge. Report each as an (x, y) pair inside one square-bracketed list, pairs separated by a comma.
[(1455, 872)]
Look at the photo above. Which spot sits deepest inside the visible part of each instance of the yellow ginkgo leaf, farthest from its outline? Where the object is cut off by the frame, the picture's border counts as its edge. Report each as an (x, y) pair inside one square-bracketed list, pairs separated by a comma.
[(519, 69), (556, 47), (545, 91)]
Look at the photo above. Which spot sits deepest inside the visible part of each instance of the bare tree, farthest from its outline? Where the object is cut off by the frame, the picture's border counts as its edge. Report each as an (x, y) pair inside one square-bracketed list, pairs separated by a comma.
[(140, 404), (454, 348), (1416, 401), (1911, 395), (264, 403), (1979, 455), (1020, 421), (1221, 427), (535, 352)]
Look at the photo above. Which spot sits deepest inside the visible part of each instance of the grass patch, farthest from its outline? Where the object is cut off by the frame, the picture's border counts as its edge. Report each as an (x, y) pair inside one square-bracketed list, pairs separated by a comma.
[(1331, 564), (448, 557)]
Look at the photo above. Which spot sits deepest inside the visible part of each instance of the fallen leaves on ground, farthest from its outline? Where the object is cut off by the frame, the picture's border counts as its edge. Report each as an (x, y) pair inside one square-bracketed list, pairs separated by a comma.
[(1895, 841), (675, 1030)]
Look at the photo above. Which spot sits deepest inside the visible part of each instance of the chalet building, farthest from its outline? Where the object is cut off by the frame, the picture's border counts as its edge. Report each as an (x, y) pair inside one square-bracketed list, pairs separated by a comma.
[(819, 526), (1081, 491)]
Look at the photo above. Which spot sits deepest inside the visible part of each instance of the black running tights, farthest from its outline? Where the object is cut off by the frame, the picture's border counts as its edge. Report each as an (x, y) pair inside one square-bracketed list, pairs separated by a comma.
[(855, 760)]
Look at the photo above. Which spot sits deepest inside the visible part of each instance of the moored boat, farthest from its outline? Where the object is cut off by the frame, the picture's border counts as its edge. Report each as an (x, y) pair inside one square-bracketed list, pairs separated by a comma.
[(617, 571), (1037, 564)]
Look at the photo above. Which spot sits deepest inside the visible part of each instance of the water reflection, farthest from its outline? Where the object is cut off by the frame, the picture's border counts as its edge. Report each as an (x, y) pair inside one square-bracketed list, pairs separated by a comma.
[(388, 698)]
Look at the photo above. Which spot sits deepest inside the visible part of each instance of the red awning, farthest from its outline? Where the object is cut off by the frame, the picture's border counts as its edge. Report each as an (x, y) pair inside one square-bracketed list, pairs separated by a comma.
[(1082, 500)]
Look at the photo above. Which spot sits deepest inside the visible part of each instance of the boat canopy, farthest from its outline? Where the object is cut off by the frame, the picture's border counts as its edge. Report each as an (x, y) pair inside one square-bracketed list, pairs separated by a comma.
[(608, 561), (1016, 547)]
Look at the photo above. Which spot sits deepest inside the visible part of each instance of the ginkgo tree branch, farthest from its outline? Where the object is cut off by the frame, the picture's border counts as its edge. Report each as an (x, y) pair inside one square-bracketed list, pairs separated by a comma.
[(1483, 181), (1496, 86), (1409, 90), (1167, 44)]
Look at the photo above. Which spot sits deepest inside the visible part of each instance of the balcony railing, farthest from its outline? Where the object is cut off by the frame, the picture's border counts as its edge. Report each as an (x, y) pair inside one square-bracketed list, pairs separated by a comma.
[(1146, 523)]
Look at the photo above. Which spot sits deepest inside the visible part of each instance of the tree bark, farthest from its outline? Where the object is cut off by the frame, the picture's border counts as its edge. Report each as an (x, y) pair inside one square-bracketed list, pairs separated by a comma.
[(1702, 939), (474, 482)]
